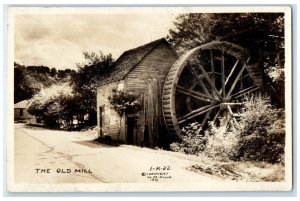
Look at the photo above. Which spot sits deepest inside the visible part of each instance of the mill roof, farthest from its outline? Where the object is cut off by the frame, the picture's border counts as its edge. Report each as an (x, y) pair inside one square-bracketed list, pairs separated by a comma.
[(130, 59)]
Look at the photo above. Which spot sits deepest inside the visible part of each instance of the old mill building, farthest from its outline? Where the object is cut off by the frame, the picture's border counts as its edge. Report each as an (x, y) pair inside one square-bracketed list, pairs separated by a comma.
[(142, 71)]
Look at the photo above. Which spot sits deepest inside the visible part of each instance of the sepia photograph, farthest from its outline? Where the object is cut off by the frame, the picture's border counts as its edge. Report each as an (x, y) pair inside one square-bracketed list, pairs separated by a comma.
[(139, 99)]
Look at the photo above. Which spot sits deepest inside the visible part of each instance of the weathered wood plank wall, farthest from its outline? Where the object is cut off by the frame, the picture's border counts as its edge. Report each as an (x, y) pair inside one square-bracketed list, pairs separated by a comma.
[(155, 65), (154, 106), (151, 112), (146, 80)]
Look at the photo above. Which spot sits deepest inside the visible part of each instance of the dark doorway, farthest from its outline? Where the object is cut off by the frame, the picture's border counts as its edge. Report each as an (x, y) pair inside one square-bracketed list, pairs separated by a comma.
[(131, 129)]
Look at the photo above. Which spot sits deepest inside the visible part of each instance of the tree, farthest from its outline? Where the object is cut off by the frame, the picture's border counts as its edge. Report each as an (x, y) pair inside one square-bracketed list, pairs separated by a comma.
[(23, 88), (86, 80), (39, 69), (261, 33), (123, 103), (190, 30), (56, 105), (61, 74), (195, 29), (29, 80), (53, 72)]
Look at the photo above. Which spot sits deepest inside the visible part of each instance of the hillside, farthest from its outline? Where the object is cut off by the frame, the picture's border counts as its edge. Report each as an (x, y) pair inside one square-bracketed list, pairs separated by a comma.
[(29, 80)]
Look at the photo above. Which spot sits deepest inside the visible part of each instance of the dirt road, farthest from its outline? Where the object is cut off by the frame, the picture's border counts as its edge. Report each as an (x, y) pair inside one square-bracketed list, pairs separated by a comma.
[(51, 156)]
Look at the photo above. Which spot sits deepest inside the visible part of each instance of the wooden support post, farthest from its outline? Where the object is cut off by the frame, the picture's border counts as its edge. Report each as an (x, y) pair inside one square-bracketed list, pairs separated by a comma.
[(154, 113), (141, 121), (232, 116), (159, 107), (146, 132), (155, 103), (150, 113), (135, 133)]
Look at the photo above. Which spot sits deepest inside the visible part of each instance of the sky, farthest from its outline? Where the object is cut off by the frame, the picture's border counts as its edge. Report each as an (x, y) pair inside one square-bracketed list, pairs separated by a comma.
[(58, 40)]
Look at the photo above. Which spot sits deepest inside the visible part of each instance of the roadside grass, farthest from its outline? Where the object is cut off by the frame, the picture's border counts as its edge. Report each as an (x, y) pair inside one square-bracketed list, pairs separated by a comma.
[(247, 171), (241, 171)]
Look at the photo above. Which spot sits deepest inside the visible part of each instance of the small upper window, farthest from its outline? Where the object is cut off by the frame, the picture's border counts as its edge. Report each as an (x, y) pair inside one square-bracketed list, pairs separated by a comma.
[(21, 112)]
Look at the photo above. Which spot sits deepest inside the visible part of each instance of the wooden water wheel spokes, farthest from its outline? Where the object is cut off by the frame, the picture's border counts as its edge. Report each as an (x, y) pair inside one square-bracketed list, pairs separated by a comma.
[(206, 83)]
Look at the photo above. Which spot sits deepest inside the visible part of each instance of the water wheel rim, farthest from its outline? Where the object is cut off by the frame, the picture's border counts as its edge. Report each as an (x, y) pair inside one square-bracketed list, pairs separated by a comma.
[(170, 86)]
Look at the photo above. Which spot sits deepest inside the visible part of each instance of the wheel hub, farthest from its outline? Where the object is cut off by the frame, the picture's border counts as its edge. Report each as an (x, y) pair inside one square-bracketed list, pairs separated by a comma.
[(231, 104)]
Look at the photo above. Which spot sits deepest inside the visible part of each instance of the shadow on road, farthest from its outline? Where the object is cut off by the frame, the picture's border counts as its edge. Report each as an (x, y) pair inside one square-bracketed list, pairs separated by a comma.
[(38, 127), (96, 144)]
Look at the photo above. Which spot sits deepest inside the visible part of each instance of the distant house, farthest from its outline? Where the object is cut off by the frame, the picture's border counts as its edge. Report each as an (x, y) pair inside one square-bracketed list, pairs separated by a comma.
[(21, 112), (141, 70)]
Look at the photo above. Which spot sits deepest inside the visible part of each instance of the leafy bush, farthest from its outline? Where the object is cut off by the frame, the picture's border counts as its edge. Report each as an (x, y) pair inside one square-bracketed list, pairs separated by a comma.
[(192, 142), (260, 136), (262, 131), (56, 106), (123, 102), (221, 144)]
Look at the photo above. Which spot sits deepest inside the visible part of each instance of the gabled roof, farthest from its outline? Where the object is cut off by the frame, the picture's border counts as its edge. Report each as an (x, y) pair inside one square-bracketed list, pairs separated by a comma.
[(129, 59), (22, 104)]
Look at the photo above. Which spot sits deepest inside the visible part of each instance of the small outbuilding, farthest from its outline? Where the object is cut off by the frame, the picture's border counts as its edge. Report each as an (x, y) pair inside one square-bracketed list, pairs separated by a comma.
[(21, 112), (142, 71)]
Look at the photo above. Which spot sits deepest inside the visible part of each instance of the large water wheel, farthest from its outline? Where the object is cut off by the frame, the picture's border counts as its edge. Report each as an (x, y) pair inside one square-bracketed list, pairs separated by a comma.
[(206, 83)]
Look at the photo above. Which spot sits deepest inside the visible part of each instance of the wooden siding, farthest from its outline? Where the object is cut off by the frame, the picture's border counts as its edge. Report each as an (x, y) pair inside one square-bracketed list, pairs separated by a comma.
[(155, 65), (146, 80)]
